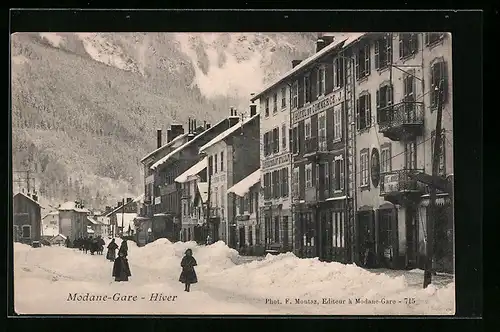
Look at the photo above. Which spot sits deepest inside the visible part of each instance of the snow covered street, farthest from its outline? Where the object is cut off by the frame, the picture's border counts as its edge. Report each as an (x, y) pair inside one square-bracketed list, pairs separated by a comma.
[(58, 280)]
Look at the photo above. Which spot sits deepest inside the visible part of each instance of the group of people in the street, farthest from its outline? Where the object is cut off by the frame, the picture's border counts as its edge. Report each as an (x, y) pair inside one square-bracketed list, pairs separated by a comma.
[(94, 245), (121, 268)]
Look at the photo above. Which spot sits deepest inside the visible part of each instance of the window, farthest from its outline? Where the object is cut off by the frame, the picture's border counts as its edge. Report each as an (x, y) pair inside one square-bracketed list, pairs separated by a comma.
[(409, 98), (433, 37), (438, 75), (307, 89), (222, 161), (222, 200), (411, 155), (408, 44), (338, 72), (295, 139), (283, 136), (385, 224), (215, 163), (295, 94), (385, 159), (267, 186), (337, 122), (383, 52), (250, 202), (275, 102), (363, 111), (276, 229), (283, 97), (441, 169), (216, 196), (26, 231), (210, 165), (384, 99), (322, 146), (295, 182), (338, 174), (250, 236), (245, 203), (276, 140), (276, 184), (364, 172), (309, 182), (326, 172), (363, 62), (307, 128), (320, 81), (284, 182), (267, 144), (267, 106)]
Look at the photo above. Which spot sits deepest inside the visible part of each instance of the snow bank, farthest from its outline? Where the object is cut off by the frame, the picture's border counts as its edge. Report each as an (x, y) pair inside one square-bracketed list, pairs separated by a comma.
[(45, 276)]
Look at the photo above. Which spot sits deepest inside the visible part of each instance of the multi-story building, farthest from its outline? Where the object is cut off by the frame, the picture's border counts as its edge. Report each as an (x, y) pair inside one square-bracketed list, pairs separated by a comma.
[(121, 218), (73, 220), (396, 79), (232, 156), (313, 114), (193, 215), (167, 201), (27, 218), (248, 235), (175, 138)]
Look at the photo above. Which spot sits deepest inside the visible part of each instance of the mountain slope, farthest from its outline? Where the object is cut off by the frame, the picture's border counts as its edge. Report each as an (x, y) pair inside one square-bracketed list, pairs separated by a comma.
[(85, 107)]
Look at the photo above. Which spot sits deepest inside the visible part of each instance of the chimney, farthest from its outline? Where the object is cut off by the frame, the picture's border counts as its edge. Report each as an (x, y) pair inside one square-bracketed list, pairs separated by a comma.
[(194, 125), (235, 112), (207, 126), (169, 135), (119, 203), (35, 197), (177, 130), (158, 138), (253, 110), (295, 63), (328, 39), (129, 200), (232, 111), (320, 44)]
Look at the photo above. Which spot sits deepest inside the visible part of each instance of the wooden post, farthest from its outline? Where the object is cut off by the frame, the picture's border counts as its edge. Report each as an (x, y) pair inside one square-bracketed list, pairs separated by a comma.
[(123, 214), (431, 217)]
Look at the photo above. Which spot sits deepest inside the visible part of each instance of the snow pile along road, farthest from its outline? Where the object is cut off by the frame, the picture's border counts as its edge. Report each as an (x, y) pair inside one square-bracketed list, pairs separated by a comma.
[(283, 284)]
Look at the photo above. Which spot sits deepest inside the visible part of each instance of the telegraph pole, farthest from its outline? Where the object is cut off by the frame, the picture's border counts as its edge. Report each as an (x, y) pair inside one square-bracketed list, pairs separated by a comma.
[(432, 204), (123, 214)]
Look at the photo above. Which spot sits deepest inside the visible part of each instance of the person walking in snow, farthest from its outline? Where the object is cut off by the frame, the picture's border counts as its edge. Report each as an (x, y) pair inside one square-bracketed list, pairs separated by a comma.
[(188, 274), (101, 244), (123, 248), (121, 268), (209, 240), (111, 254)]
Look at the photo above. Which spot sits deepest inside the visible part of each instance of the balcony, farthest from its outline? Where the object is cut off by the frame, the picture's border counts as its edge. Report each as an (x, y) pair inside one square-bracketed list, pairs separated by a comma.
[(403, 121), (314, 195), (315, 149), (400, 187)]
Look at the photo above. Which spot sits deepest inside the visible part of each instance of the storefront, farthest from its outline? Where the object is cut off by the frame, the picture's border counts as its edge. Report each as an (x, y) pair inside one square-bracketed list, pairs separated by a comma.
[(278, 232)]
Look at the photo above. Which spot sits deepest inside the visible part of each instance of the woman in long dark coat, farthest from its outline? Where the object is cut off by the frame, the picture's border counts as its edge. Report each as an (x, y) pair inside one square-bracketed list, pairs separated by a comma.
[(123, 248), (121, 269), (111, 254), (188, 274)]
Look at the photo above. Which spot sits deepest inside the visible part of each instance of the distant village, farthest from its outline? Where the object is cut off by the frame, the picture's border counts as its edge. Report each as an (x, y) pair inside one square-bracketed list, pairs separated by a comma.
[(339, 163)]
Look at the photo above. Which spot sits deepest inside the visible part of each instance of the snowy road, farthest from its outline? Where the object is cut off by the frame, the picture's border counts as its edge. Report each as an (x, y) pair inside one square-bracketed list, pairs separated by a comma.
[(50, 279)]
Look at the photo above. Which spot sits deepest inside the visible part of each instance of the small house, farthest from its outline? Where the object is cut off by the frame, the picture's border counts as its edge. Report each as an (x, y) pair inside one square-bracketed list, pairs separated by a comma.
[(27, 218)]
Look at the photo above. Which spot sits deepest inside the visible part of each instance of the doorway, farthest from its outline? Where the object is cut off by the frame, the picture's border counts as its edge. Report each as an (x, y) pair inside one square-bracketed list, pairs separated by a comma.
[(242, 237), (366, 239), (411, 237)]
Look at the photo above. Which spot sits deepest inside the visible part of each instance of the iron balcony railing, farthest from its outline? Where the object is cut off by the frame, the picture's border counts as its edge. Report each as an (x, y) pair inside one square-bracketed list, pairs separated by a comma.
[(403, 113), (400, 181), (311, 145)]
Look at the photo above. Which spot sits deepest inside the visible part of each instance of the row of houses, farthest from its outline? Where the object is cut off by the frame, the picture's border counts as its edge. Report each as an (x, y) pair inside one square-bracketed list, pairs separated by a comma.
[(334, 165)]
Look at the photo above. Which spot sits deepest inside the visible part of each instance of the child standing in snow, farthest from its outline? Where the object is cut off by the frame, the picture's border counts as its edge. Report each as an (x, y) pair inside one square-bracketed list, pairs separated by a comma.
[(188, 274)]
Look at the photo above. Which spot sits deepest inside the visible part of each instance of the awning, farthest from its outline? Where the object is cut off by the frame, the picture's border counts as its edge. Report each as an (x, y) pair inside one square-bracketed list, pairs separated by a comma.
[(242, 187), (340, 198), (197, 168), (203, 190), (441, 200)]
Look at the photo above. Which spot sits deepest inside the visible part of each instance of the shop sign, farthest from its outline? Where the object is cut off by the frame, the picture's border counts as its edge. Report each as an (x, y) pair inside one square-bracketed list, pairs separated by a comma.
[(315, 108)]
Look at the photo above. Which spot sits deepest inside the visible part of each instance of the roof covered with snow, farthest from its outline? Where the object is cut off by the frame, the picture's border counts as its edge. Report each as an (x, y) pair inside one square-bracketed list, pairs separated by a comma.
[(93, 221), (50, 230), (228, 132), (242, 187), (71, 206), (169, 144), (188, 143), (118, 208), (342, 42), (28, 197), (197, 168)]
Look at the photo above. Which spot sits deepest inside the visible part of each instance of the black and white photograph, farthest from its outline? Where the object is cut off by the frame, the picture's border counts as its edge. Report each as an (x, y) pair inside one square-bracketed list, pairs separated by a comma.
[(197, 173)]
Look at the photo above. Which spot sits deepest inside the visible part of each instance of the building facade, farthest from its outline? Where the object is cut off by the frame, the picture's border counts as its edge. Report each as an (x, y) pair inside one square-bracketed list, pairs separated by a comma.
[(167, 201), (73, 220), (247, 228), (396, 82), (27, 218), (232, 156)]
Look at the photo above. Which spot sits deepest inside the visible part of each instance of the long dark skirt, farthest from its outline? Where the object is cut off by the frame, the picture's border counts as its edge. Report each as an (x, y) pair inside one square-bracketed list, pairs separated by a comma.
[(111, 255), (188, 276), (121, 269)]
